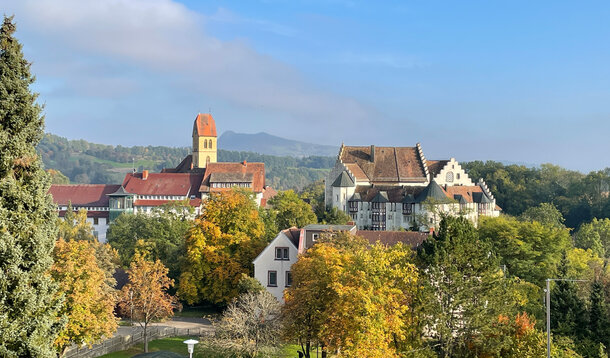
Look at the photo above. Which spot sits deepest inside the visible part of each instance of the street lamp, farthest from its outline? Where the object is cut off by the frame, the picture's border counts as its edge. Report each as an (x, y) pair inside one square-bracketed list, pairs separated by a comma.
[(191, 346), (548, 310)]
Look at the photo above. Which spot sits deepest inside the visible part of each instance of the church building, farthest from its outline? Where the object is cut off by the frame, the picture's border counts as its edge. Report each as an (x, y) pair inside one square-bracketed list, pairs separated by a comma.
[(193, 180)]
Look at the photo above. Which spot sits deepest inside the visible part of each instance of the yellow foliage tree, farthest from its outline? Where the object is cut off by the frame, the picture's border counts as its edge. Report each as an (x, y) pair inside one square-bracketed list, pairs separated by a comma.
[(220, 247), (88, 305), (353, 299), (145, 295)]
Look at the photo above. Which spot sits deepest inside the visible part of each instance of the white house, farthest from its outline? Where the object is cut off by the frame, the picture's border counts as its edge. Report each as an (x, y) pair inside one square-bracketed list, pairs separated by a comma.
[(272, 265)]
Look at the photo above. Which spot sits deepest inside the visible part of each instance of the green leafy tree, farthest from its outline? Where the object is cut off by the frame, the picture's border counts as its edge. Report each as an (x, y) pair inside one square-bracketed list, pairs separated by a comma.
[(291, 210), (163, 232), (546, 214), (529, 250), (29, 307), (595, 236), (220, 247)]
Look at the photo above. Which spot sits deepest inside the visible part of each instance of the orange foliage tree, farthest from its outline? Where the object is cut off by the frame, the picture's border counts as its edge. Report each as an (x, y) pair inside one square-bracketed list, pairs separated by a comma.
[(88, 304), (145, 295), (220, 247)]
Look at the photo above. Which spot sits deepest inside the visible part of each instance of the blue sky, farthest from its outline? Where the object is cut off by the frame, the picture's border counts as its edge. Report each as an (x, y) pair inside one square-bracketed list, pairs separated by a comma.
[(521, 81)]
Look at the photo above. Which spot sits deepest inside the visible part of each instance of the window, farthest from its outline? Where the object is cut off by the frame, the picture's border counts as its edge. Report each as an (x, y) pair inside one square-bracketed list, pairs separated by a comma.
[(288, 278), (281, 253), (210, 144), (315, 236), (272, 278), (205, 143), (96, 221), (457, 176), (449, 178)]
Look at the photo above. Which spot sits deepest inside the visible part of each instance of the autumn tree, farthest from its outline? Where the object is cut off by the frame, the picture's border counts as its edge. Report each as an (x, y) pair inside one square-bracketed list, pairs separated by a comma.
[(88, 304), (145, 296), (291, 210), (29, 306), (353, 299), (220, 247)]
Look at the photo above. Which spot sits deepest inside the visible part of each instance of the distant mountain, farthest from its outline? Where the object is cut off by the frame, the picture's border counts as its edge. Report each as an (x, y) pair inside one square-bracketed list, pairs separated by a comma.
[(265, 143)]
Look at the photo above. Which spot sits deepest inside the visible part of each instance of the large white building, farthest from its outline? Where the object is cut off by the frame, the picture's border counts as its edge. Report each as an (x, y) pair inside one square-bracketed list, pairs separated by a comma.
[(389, 188)]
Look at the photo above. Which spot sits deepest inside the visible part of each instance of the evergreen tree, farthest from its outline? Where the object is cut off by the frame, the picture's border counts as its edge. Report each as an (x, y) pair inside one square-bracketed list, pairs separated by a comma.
[(599, 322), (28, 301), (568, 313)]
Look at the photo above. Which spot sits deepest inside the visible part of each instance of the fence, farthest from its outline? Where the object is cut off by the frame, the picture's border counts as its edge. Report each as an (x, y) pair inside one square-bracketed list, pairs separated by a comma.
[(121, 343)]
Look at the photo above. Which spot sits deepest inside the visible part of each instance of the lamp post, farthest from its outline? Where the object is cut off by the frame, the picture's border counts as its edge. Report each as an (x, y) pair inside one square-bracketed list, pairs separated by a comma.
[(548, 310), (191, 346)]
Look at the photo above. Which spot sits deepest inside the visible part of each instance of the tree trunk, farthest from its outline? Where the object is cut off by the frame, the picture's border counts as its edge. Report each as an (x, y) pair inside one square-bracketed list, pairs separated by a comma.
[(145, 338)]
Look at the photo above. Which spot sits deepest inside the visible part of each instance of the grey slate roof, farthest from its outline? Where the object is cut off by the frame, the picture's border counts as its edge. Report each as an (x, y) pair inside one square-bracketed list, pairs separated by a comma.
[(408, 199), (381, 197), (120, 192), (355, 197), (433, 191), (343, 180), (460, 199), (481, 198)]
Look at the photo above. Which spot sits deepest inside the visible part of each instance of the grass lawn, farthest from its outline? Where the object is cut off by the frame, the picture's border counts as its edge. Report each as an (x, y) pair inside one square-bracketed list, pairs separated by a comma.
[(173, 344)]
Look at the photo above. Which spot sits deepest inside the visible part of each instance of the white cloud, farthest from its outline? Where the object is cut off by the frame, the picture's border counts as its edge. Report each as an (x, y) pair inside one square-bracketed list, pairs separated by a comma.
[(165, 37)]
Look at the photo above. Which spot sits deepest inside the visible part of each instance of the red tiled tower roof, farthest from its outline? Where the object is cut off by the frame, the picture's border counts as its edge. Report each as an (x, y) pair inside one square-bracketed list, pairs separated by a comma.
[(204, 125)]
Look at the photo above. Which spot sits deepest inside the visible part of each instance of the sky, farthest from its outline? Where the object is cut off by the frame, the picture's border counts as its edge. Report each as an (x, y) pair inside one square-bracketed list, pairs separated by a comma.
[(517, 81)]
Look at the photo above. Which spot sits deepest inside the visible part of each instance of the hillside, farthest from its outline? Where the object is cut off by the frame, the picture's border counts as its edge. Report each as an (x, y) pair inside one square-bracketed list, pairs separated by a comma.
[(85, 162), (265, 143)]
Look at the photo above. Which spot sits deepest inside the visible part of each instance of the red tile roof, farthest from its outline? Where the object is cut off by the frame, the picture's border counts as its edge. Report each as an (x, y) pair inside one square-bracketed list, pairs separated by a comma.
[(464, 190), (387, 164), (293, 234), (163, 184), (205, 125), (139, 202), (257, 170), (268, 193), (435, 166), (389, 238), (82, 194)]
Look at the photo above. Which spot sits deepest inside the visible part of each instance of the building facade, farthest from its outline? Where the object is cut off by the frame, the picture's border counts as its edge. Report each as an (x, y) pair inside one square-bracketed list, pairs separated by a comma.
[(193, 180), (391, 188)]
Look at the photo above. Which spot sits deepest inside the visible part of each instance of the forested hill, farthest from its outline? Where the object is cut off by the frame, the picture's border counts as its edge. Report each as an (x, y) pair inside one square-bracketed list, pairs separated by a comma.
[(84, 162)]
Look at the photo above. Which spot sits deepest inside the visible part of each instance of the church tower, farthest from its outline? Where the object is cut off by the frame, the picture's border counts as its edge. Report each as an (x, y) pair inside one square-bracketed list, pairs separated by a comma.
[(204, 141)]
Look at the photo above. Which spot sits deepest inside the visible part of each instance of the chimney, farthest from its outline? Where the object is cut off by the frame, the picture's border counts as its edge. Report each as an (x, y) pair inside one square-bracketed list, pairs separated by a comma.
[(245, 163), (372, 153), (144, 174)]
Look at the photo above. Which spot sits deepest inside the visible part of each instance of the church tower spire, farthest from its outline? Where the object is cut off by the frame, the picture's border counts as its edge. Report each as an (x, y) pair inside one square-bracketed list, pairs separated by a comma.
[(204, 141)]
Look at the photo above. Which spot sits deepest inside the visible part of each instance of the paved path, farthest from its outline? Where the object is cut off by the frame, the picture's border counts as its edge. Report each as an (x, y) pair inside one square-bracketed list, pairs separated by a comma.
[(176, 322)]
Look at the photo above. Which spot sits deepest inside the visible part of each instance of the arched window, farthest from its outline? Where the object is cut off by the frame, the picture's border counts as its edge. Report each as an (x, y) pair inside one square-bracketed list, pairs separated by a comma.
[(205, 143), (449, 178), (210, 144)]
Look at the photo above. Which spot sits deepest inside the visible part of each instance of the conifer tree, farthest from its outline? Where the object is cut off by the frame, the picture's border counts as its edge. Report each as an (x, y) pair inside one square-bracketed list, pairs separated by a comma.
[(568, 313), (599, 322), (28, 304)]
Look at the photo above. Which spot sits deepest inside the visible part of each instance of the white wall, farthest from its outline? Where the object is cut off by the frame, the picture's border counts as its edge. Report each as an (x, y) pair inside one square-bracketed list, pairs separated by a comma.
[(266, 262)]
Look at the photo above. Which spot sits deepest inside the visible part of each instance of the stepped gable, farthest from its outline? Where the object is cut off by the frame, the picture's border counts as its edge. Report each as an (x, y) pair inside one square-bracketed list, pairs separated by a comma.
[(390, 238), (435, 166), (204, 125), (92, 195), (234, 172), (384, 164), (179, 184)]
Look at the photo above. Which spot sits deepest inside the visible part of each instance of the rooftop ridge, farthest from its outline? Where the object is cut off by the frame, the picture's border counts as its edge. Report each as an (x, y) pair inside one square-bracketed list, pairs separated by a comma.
[(422, 158)]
